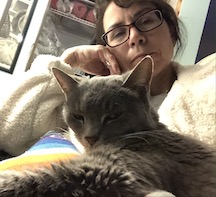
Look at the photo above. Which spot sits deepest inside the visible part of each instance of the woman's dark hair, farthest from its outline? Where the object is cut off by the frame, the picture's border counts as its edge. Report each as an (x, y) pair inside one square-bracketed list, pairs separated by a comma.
[(167, 11)]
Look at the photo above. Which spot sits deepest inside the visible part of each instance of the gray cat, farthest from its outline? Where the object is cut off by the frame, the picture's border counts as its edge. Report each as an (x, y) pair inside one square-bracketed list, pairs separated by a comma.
[(128, 152)]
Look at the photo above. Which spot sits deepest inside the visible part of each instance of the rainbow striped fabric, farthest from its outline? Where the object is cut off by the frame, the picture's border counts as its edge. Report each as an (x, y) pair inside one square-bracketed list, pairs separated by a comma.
[(52, 147)]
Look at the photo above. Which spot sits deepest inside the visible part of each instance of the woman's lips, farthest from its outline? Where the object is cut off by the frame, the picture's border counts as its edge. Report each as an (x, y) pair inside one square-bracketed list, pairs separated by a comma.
[(136, 59)]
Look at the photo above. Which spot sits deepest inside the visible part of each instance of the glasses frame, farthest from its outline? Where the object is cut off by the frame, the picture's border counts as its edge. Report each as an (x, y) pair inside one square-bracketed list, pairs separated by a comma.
[(133, 24)]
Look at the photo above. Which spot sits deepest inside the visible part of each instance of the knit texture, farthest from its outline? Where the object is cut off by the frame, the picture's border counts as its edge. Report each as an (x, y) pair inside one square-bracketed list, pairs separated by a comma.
[(190, 105)]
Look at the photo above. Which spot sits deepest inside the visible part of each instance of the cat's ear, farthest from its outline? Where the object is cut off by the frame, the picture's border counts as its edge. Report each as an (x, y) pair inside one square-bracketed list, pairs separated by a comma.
[(141, 75), (66, 82)]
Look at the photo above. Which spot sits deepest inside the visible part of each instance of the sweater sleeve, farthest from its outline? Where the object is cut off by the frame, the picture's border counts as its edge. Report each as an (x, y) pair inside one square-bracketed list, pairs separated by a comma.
[(31, 105), (189, 107)]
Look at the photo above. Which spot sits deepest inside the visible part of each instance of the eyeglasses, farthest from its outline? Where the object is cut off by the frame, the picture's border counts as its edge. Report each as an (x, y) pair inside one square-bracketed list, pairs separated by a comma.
[(146, 22)]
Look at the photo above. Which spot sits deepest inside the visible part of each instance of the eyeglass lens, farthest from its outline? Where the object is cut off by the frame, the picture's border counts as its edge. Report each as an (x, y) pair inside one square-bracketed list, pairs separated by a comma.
[(144, 23)]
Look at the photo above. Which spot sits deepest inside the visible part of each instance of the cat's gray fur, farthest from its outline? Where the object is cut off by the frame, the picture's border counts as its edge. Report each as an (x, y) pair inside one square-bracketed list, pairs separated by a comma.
[(128, 152)]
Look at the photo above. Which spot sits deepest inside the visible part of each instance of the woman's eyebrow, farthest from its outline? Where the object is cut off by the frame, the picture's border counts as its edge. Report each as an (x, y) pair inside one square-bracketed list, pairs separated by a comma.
[(115, 25), (143, 11), (136, 15)]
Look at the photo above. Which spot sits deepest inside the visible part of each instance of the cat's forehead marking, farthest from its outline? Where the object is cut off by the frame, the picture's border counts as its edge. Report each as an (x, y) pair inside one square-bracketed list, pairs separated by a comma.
[(105, 80), (100, 93)]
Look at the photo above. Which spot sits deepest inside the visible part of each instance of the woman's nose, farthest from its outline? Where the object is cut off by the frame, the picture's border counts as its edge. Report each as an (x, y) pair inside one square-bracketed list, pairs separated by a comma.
[(136, 37)]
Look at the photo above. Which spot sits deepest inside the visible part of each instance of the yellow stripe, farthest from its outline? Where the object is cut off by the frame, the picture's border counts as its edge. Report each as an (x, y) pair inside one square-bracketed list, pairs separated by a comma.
[(34, 161)]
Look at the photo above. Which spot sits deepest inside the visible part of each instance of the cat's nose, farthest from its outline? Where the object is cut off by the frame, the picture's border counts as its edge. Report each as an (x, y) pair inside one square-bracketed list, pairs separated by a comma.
[(91, 140)]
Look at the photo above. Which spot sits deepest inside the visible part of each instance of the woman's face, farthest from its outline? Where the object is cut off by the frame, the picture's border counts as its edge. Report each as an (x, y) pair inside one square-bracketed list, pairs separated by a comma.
[(157, 42)]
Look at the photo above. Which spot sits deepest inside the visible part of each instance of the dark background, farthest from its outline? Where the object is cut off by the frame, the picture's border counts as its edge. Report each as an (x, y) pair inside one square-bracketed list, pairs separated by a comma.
[(208, 40)]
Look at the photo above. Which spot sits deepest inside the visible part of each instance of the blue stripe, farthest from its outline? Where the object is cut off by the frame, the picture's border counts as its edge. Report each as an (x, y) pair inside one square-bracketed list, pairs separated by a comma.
[(52, 145), (53, 141)]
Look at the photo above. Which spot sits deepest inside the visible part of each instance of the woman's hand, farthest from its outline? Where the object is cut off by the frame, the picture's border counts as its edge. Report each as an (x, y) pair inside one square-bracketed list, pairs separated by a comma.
[(93, 59)]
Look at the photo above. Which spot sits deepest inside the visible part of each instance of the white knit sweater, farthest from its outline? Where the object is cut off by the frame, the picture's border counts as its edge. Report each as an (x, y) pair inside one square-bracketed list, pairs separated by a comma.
[(31, 104), (190, 105)]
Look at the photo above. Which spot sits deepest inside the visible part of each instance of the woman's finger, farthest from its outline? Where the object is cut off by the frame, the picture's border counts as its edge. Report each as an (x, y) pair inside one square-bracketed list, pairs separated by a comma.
[(94, 59), (110, 61)]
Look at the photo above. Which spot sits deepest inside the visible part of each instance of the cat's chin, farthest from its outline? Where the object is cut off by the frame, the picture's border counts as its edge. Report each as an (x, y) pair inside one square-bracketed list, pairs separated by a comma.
[(87, 146)]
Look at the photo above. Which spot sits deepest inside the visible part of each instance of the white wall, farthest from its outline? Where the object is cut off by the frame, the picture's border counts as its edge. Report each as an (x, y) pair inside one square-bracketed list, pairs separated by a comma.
[(193, 14), (4, 76)]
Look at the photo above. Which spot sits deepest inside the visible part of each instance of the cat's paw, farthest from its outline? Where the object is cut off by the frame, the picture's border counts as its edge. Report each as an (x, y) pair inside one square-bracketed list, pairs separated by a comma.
[(160, 193)]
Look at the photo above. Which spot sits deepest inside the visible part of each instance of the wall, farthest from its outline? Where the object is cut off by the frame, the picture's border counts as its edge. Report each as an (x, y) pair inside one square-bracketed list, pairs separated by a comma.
[(193, 15), (208, 41)]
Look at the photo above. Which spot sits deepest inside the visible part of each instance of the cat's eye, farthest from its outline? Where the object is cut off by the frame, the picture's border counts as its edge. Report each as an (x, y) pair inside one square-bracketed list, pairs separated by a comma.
[(78, 117), (112, 117)]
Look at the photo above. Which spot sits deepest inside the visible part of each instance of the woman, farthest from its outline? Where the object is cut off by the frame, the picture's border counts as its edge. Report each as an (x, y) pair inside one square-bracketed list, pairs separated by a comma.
[(130, 29), (153, 30)]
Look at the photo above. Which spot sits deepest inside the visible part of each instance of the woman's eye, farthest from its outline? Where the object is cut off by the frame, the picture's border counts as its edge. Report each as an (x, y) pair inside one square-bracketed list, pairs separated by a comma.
[(146, 21), (118, 33), (78, 117)]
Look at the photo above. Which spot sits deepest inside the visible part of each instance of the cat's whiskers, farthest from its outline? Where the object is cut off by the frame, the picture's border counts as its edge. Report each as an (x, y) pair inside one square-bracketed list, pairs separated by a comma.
[(62, 129), (134, 136), (141, 135)]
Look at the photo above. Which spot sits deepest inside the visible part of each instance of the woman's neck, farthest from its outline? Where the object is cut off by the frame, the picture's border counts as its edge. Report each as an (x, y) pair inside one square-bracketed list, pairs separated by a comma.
[(163, 82)]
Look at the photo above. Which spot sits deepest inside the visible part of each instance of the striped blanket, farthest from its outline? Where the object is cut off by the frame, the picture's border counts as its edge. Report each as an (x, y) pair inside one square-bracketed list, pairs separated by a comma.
[(52, 147)]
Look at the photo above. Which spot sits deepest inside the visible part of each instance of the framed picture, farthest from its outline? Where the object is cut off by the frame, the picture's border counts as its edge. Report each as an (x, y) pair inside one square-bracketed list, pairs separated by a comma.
[(15, 17)]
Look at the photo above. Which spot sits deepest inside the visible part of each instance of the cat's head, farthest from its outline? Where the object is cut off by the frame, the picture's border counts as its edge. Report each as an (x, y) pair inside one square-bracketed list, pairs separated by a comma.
[(99, 108)]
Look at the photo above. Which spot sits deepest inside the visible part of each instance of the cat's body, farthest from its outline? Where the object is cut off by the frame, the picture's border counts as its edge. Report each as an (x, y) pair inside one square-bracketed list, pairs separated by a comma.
[(128, 152)]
